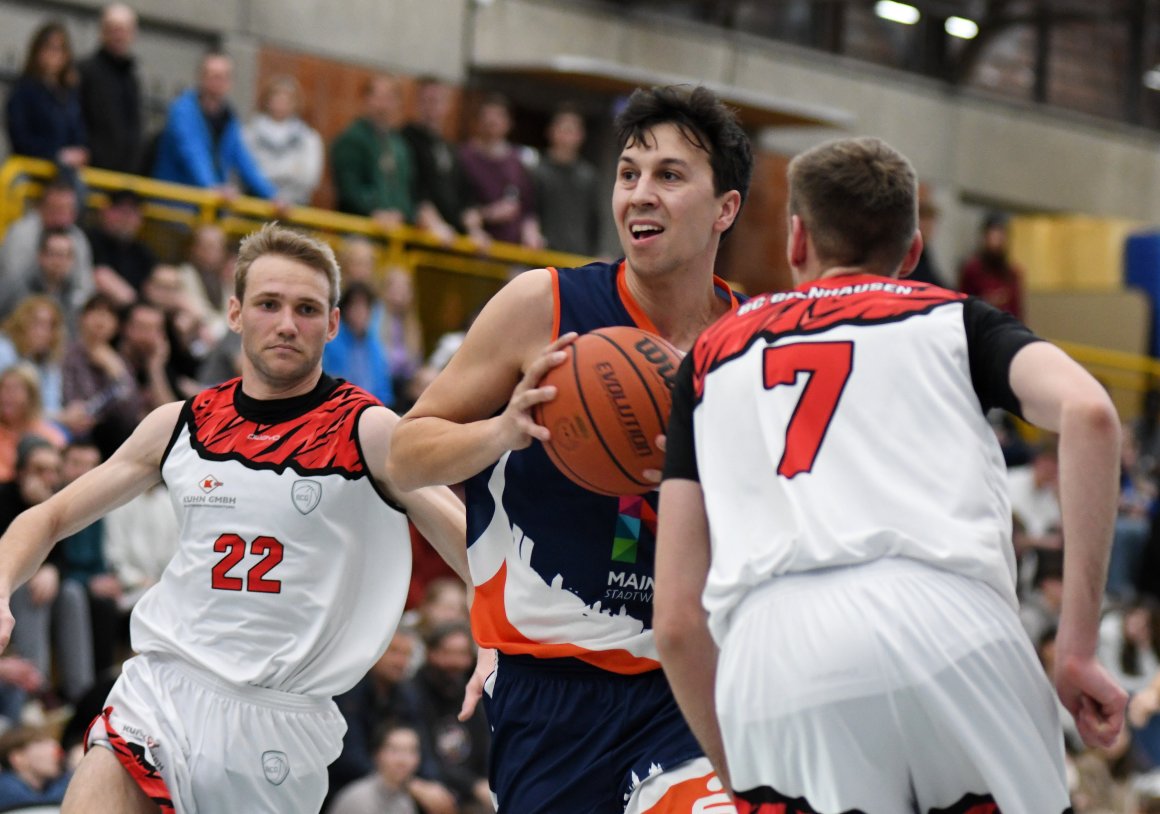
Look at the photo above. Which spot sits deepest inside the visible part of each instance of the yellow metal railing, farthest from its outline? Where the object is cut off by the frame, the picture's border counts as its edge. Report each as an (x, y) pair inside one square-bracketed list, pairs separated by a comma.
[(21, 178)]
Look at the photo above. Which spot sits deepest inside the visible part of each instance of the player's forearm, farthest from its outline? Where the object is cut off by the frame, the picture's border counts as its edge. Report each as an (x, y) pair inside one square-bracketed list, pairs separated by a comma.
[(427, 450), (24, 547), (1089, 459), (689, 657)]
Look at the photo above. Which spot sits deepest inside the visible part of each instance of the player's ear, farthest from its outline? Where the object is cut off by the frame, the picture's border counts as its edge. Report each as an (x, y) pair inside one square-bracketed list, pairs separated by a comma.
[(912, 255), (797, 242), (332, 326), (730, 207), (234, 315)]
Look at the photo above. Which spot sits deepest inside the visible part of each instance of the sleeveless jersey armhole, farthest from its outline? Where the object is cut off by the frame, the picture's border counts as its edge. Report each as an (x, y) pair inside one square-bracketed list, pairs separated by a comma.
[(183, 418), (386, 498), (555, 302)]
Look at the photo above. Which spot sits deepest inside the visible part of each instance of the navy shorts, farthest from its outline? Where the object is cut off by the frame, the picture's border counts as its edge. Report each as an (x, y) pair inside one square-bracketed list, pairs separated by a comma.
[(569, 738)]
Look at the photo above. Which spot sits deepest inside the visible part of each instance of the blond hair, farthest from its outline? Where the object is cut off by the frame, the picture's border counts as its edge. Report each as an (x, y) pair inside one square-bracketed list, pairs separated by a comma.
[(16, 326), (275, 239)]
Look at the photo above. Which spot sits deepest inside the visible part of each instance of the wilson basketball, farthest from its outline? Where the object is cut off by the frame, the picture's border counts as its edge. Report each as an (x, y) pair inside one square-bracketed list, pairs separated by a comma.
[(613, 395)]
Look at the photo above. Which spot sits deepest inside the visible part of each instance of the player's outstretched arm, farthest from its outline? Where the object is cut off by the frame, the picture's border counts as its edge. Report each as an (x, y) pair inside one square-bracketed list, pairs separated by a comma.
[(460, 425), (435, 510), (132, 469), (1057, 394), (687, 650)]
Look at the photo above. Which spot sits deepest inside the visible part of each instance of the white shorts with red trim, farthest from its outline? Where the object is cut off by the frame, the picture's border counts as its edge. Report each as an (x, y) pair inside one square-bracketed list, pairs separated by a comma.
[(197, 744), (890, 686)]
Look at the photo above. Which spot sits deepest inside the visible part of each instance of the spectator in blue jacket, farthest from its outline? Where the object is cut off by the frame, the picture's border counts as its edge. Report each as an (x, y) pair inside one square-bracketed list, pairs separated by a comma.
[(356, 353), (202, 144), (33, 763), (43, 111)]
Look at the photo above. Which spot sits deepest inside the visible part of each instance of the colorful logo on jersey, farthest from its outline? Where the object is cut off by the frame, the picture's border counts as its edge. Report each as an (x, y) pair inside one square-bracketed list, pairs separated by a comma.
[(305, 495), (634, 513), (209, 483), (276, 766)]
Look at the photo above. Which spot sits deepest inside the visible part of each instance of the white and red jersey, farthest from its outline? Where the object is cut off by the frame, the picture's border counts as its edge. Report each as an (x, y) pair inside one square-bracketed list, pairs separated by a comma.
[(292, 568), (844, 422)]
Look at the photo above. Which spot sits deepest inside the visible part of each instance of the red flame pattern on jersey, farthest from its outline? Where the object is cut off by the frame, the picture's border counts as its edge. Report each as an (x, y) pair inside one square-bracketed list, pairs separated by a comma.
[(811, 308), (322, 440)]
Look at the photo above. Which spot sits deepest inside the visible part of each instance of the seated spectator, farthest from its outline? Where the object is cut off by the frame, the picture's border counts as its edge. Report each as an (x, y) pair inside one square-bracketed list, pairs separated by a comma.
[(121, 262), (207, 276), (202, 144), (382, 697), (374, 172), (81, 558), (356, 354), (1129, 645), (20, 252), (145, 350), (183, 329), (501, 186), (33, 763), (401, 333), (110, 94), (568, 190), (52, 617), (460, 747), (35, 334), (95, 375), (386, 790), (19, 680), (440, 187), (21, 414), (1034, 492), (55, 261), (1039, 610), (443, 601), (287, 149), (43, 111), (139, 540)]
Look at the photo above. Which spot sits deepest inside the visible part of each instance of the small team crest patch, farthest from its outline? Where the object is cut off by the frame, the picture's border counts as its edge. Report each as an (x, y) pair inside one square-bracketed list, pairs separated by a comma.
[(306, 494), (276, 766)]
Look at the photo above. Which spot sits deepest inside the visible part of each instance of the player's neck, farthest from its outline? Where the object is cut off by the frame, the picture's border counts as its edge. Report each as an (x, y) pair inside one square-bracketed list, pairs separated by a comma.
[(257, 386), (680, 304)]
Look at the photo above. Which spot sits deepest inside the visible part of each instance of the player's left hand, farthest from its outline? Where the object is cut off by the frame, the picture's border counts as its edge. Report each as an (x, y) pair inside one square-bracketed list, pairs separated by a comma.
[(484, 666), (1092, 696)]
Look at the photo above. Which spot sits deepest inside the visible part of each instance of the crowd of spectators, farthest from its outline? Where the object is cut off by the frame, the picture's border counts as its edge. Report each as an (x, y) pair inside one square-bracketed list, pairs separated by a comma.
[(95, 332)]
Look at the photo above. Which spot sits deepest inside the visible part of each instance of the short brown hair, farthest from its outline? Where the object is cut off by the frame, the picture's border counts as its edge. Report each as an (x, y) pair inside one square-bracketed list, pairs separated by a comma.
[(858, 200), (275, 239)]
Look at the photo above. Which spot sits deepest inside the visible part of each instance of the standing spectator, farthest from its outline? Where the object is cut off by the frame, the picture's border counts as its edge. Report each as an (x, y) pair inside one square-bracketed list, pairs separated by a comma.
[(386, 790), (202, 144), (567, 189), (33, 763), (500, 185), (121, 262), (356, 354), (439, 186), (374, 171), (43, 111), (460, 748), (53, 616), (287, 149), (110, 94), (20, 252), (989, 274), (95, 375)]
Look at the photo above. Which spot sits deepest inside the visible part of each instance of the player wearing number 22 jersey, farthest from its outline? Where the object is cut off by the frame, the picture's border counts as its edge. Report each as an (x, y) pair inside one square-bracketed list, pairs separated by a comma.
[(291, 569)]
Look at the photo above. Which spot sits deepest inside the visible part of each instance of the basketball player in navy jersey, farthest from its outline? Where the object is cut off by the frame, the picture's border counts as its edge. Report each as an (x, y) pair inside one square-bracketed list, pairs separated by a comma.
[(290, 574), (583, 720), (834, 517)]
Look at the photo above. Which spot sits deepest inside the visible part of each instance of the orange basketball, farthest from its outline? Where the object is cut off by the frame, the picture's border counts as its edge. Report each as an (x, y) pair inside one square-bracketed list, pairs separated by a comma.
[(613, 395)]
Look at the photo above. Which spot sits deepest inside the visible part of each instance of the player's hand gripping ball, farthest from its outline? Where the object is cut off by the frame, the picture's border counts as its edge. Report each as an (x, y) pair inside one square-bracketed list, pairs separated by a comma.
[(613, 396)]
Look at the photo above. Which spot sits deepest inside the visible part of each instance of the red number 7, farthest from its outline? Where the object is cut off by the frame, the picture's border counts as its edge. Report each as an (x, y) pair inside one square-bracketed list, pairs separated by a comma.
[(828, 365)]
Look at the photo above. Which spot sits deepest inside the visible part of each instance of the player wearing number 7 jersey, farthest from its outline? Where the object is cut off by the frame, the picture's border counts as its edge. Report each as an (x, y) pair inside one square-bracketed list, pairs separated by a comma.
[(291, 570), (834, 498)]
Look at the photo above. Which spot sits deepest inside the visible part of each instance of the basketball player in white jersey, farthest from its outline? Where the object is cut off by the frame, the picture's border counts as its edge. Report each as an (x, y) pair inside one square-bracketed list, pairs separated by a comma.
[(290, 574), (834, 518)]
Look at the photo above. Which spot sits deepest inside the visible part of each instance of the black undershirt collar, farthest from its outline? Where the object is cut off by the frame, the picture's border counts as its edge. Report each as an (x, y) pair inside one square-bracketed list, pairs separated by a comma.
[(275, 411)]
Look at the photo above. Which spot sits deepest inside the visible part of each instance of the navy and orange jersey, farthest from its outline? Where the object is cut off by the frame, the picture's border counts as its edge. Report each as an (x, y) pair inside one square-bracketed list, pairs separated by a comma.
[(844, 421), (292, 567), (561, 571)]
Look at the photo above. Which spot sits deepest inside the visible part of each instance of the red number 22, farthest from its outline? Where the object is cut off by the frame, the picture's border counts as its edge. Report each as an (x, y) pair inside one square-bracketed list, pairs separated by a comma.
[(828, 365), (234, 548)]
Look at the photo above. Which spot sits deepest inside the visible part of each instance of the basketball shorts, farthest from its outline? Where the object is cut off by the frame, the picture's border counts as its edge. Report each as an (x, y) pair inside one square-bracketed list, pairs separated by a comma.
[(197, 744), (883, 688), (568, 738)]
